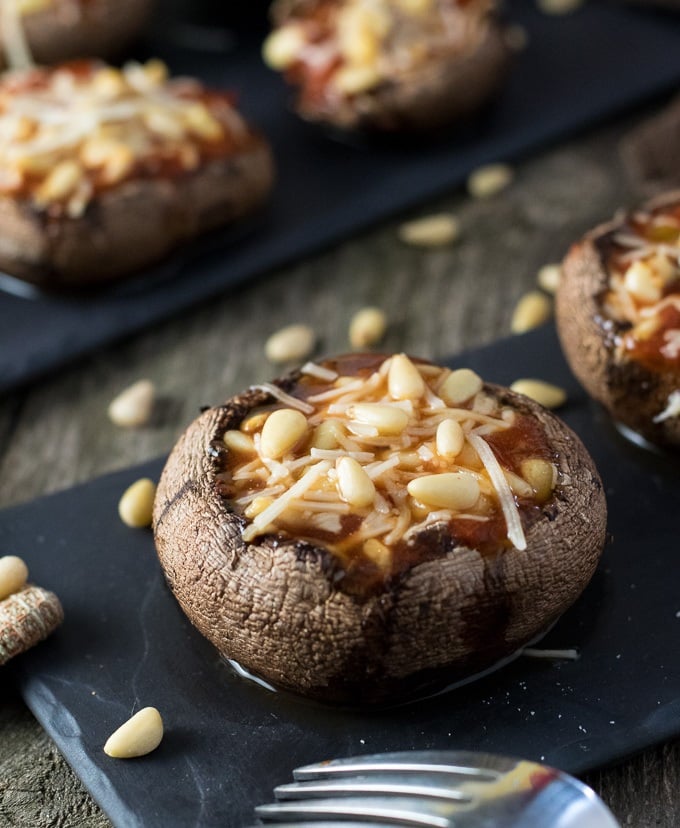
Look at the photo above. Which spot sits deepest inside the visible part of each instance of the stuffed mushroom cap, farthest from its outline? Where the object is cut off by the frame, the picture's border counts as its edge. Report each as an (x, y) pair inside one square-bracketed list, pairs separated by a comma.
[(618, 316), (394, 65), (107, 170), (375, 527), (58, 30)]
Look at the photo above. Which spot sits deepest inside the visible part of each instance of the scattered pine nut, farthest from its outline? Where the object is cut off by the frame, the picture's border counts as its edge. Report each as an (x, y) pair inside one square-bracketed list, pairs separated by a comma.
[(136, 505), (516, 37), (27, 617), (558, 7), (138, 736), (13, 575), (430, 231), (532, 310), (367, 327), (290, 344), (133, 406), (548, 277), (489, 180), (544, 393)]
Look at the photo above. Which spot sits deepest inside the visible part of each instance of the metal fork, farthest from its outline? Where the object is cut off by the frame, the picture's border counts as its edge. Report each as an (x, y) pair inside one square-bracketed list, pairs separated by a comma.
[(438, 789)]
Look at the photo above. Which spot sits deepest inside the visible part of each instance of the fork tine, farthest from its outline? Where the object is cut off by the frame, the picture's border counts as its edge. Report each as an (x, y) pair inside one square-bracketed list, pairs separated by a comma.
[(386, 785), (370, 810), (413, 762)]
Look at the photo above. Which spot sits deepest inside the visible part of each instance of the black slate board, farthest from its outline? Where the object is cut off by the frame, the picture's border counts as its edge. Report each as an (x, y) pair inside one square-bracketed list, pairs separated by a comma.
[(125, 645), (576, 70)]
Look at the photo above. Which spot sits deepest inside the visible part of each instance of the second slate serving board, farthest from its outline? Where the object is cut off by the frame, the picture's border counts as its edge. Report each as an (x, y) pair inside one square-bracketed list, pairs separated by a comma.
[(125, 644), (576, 70)]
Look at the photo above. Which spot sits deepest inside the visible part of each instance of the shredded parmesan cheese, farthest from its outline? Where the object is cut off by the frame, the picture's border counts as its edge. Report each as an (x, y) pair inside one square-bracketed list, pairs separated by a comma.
[(505, 496), (672, 408), (352, 487), (261, 521), (281, 395)]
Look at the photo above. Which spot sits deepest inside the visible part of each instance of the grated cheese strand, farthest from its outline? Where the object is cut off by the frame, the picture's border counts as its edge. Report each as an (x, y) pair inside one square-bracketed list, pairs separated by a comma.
[(281, 396), (318, 371), (505, 496), (297, 490), (672, 408)]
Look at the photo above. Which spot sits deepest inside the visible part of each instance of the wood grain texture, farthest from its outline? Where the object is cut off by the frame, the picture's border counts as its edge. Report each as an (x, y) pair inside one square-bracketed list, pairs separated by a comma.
[(438, 301)]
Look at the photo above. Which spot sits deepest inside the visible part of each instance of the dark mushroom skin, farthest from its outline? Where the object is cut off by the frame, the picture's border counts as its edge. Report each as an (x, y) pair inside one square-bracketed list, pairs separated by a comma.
[(279, 608), (97, 28), (132, 225), (445, 89), (631, 392)]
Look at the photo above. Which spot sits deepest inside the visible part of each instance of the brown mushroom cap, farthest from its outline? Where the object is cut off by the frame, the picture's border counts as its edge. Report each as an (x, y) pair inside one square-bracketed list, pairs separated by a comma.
[(100, 28), (631, 392), (277, 606), (133, 225), (446, 88)]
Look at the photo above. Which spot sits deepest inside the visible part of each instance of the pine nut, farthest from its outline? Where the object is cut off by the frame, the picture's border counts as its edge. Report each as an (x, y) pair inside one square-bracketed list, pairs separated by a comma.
[(138, 736), (354, 485), (108, 83), (326, 435), (283, 429), (60, 182), (238, 442), (450, 439), (431, 231), (518, 485), (13, 575), (353, 80), (136, 505), (548, 278), (647, 327), (156, 71), (367, 327), (460, 385), (257, 505), (639, 281), (290, 344), (378, 553), (254, 422), (163, 123), (532, 310), (410, 460), (516, 37), (558, 7), (544, 393), (469, 458), (133, 406), (451, 490), (386, 418), (283, 46), (404, 381), (540, 475), (415, 7), (489, 180), (202, 123)]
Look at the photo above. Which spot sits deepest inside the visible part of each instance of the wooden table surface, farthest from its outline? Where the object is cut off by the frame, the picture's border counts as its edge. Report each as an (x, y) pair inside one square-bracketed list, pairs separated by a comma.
[(56, 433)]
